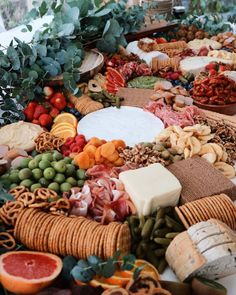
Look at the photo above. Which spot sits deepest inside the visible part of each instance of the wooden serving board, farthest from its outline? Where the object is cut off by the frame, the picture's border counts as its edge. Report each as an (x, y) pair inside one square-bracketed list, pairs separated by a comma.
[(135, 97)]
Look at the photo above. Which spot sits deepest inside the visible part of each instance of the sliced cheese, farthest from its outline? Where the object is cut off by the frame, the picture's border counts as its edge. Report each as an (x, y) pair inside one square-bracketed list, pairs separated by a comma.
[(151, 187), (204, 233), (196, 64), (197, 44)]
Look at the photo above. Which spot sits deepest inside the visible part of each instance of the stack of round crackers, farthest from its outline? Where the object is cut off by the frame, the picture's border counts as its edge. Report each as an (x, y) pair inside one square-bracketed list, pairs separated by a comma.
[(76, 236), (219, 207)]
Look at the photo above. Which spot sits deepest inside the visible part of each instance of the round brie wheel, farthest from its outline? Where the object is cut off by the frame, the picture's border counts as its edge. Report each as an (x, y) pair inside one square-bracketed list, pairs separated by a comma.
[(131, 124)]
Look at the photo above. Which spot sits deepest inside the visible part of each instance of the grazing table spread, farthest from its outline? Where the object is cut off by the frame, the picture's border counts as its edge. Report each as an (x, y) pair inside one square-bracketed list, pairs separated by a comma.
[(122, 180)]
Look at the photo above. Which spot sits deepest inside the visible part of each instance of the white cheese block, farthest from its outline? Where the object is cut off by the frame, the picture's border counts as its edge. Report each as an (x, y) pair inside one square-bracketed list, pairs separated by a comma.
[(197, 44), (132, 47), (196, 64), (151, 187)]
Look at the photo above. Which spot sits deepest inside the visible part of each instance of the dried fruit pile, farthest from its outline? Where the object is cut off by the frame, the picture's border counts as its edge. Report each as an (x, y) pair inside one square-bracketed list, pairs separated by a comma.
[(214, 90)]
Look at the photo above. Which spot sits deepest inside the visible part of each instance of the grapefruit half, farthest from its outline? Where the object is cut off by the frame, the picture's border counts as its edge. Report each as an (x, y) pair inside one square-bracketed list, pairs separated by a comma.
[(28, 272)]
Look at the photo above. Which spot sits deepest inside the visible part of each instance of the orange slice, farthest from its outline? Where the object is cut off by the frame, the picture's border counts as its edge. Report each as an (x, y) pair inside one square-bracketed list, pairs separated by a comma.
[(66, 118), (62, 125), (120, 278), (64, 133), (148, 270), (101, 282)]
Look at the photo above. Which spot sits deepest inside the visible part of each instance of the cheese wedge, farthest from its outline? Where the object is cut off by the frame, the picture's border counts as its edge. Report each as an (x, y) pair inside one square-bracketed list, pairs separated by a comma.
[(151, 187)]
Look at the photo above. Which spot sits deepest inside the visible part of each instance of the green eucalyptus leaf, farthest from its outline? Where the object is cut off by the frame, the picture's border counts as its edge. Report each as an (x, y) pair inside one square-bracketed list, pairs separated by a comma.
[(13, 57), (41, 50), (43, 9), (66, 29), (108, 268), (29, 27), (69, 263), (97, 3), (137, 272)]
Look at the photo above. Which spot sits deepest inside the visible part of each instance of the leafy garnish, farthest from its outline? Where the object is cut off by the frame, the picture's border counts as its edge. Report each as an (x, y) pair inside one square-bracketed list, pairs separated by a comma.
[(58, 49), (86, 270)]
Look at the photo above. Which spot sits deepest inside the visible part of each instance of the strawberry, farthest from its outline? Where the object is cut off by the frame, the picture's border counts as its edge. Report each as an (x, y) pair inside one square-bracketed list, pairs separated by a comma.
[(54, 112), (211, 66), (39, 110), (29, 114), (222, 68), (45, 120), (48, 91), (161, 40), (69, 141), (174, 76), (76, 149), (32, 105), (58, 100), (212, 72), (29, 111)]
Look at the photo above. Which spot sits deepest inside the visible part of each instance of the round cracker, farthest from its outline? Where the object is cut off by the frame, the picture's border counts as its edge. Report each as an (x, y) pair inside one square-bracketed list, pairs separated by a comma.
[(98, 240), (193, 208), (200, 207), (81, 238), (220, 208), (59, 232), (88, 245), (111, 239), (48, 225), (230, 211), (21, 227), (188, 215), (100, 243), (56, 231), (33, 226), (64, 236), (181, 215), (18, 222), (192, 211), (76, 243), (123, 240), (26, 222), (42, 231), (69, 240)]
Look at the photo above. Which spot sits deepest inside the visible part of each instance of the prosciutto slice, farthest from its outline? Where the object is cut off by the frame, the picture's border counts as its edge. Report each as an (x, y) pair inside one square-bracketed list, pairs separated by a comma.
[(171, 117), (103, 197)]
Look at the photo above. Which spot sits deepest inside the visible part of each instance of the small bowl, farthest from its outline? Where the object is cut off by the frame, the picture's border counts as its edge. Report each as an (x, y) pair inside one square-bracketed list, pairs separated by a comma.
[(226, 109), (85, 74)]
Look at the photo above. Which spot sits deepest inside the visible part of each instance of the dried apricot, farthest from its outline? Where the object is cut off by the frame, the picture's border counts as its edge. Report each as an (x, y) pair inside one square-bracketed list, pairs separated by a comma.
[(91, 162), (90, 149), (114, 157), (98, 157), (82, 160), (119, 143), (119, 162), (95, 141), (107, 149)]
